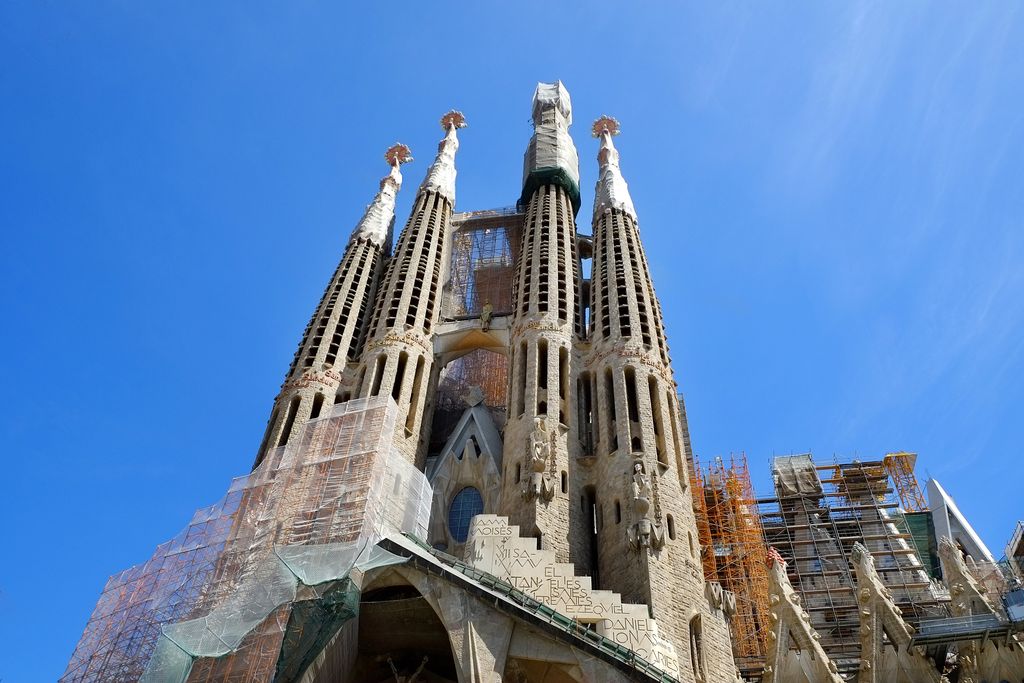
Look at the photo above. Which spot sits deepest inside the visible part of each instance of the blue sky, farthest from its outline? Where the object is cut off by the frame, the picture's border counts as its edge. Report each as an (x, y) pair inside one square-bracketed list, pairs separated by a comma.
[(831, 197)]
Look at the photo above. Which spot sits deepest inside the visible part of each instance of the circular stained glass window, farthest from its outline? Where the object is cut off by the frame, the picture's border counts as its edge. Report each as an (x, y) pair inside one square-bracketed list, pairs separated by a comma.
[(465, 504)]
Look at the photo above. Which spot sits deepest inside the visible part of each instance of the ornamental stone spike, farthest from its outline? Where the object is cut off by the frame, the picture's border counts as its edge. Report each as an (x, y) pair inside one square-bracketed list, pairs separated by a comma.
[(441, 174), (612, 191), (380, 213)]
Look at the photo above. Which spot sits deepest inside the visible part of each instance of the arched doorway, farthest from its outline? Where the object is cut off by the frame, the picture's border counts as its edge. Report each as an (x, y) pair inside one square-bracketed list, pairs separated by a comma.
[(400, 632)]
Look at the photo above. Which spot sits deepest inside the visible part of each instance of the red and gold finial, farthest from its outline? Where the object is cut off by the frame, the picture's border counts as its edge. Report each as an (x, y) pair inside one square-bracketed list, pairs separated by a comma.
[(605, 124), (398, 154), (453, 119)]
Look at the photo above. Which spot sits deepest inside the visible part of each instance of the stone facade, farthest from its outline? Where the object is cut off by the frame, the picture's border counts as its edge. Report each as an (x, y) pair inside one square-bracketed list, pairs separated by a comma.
[(589, 458)]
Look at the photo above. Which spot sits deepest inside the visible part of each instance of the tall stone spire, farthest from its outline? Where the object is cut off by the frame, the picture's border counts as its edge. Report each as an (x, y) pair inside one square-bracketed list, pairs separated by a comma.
[(376, 224), (335, 333), (441, 175), (632, 416), (612, 191), (399, 354), (542, 442)]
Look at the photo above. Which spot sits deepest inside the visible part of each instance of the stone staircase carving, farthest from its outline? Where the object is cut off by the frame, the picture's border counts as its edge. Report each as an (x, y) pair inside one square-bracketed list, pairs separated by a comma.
[(495, 546)]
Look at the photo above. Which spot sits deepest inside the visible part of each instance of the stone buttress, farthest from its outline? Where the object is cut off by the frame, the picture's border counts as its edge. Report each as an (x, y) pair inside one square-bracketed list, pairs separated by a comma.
[(399, 358), (335, 334)]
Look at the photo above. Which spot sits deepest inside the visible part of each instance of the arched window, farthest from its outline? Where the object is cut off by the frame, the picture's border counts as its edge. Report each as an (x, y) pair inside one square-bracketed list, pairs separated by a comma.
[(318, 404), (466, 503), (697, 649)]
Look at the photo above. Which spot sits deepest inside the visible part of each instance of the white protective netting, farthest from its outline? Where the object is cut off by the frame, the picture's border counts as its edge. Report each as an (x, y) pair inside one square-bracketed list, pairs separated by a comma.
[(213, 603)]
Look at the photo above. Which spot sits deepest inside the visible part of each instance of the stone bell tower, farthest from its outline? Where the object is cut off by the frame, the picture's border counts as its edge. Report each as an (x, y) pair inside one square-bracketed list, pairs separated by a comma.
[(399, 354), (335, 334), (647, 536), (541, 439)]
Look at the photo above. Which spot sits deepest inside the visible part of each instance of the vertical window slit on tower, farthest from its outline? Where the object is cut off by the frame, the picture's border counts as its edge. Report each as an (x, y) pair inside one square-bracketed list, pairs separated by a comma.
[(613, 435), (521, 395), (697, 649), (591, 519), (378, 374), (586, 410), (542, 377), (563, 382), (318, 404), (414, 402), (659, 432), (635, 437), (674, 419), (396, 388), (293, 409)]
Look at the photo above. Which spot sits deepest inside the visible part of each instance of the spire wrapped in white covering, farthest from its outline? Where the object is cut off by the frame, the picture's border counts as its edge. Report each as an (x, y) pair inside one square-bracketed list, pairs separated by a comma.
[(551, 147), (612, 191), (380, 213), (441, 175)]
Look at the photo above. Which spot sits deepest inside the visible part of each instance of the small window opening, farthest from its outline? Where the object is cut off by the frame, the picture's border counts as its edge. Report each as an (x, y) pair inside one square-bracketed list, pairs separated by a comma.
[(318, 404), (293, 408), (378, 374), (542, 377), (396, 389)]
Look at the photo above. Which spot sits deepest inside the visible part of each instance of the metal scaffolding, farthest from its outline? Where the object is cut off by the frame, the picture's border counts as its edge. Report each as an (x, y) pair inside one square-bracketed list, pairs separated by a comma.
[(484, 248), (733, 552), (901, 470), (258, 581), (817, 514), (483, 255)]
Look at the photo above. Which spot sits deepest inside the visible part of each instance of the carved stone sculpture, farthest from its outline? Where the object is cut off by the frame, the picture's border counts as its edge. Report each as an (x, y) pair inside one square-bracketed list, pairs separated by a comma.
[(540, 484), (643, 533)]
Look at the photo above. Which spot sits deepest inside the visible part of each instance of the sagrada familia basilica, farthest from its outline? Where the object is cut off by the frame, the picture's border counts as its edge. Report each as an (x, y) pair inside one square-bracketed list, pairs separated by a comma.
[(478, 468)]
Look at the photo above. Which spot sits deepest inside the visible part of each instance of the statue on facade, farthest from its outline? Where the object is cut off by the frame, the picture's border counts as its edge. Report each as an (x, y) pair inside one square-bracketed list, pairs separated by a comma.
[(643, 533), (486, 313), (539, 485)]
